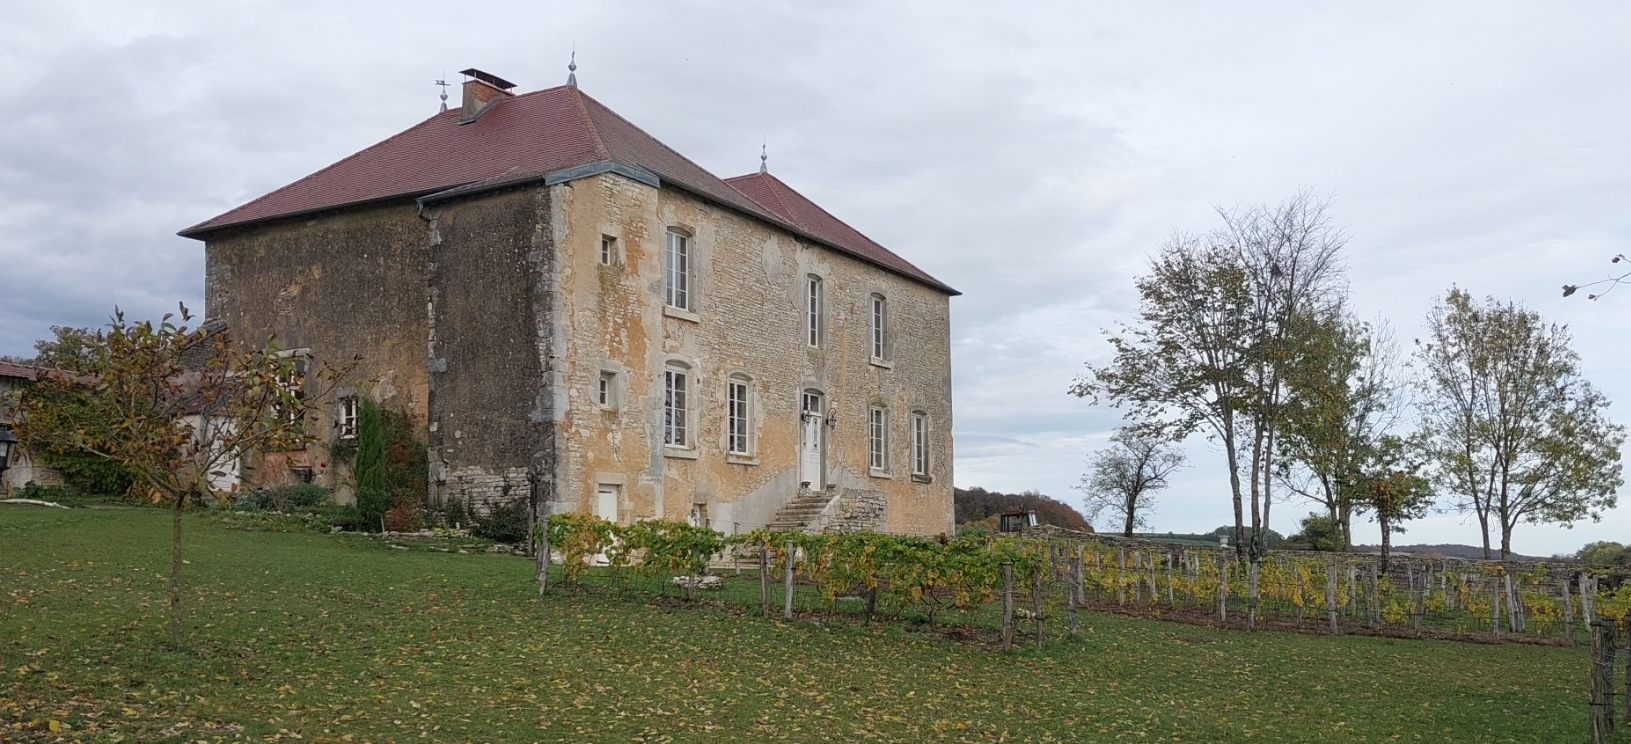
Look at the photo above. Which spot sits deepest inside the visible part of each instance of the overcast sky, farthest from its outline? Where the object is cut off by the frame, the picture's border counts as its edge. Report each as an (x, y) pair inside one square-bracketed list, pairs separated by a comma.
[(1032, 155)]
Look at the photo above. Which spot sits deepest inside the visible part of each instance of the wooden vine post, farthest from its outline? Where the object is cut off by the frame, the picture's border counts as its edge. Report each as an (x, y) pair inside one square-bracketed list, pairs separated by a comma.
[(1495, 606), (764, 578), (1603, 648), (787, 606), (1075, 592), (1223, 588), (1121, 570), (1036, 609), (1331, 594), (1007, 605), (1568, 613)]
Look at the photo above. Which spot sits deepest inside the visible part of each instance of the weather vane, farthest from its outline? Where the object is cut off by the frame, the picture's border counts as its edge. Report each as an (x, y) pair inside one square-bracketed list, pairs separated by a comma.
[(443, 83)]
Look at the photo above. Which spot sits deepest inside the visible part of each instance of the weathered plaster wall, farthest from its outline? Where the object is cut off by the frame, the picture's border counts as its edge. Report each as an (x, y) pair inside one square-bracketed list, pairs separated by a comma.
[(342, 284), (490, 277), (749, 319)]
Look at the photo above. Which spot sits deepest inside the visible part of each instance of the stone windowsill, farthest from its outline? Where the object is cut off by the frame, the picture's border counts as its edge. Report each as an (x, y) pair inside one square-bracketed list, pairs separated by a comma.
[(876, 473), (881, 363), (921, 478), (683, 453), (740, 459), (681, 313)]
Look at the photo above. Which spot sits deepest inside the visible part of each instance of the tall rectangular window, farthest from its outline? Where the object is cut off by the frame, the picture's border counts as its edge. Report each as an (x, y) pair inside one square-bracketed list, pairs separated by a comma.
[(292, 379), (677, 272), (920, 443), (606, 390), (345, 420), (877, 436), (675, 408), (812, 323), (736, 416), (608, 250), (879, 326)]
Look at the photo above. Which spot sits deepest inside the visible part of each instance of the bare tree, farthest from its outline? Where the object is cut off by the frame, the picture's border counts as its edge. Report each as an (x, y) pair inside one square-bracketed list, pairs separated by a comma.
[(1516, 434), (1612, 281), (1127, 475)]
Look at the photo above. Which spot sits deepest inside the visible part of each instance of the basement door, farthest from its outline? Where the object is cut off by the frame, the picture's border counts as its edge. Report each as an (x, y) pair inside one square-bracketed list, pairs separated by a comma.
[(811, 446)]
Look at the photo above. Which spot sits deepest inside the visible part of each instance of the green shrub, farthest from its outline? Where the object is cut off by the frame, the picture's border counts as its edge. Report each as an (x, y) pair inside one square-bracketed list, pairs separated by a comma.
[(347, 517), (37, 492), (505, 522), (89, 475)]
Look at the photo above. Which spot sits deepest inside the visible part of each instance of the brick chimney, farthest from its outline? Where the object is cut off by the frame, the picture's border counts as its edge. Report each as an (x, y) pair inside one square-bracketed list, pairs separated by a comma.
[(481, 90)]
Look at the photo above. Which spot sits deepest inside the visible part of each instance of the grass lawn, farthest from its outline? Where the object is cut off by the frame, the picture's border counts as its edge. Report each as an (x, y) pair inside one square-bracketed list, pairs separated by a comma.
[(339, 638)]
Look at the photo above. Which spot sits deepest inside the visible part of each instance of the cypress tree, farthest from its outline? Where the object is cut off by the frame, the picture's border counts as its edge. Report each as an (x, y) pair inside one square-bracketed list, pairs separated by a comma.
[(373, 499)]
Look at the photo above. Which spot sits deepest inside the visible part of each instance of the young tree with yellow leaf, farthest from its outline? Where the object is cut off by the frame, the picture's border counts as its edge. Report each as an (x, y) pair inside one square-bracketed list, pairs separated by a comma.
[(177, 407)]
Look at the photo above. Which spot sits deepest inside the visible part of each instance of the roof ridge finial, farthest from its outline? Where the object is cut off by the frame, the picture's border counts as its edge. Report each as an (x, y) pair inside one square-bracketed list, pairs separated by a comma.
[(572, 68), (764, 159), (443, 82)]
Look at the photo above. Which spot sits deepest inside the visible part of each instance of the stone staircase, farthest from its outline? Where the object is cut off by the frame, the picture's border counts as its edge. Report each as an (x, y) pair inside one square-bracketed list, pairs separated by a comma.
[(801, 511)]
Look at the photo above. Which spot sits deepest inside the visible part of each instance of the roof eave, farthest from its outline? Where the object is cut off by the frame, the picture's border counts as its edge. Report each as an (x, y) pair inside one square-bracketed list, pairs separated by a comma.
[(202, 230)]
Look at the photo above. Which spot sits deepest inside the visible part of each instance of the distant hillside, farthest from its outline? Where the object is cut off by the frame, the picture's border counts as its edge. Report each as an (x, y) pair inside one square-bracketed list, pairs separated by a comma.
[(979, 506), (1467, 552)]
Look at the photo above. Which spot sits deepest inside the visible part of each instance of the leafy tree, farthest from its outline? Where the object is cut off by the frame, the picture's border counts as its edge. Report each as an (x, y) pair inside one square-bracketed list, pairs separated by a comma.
[(1321, 532), (1604, 554), (176, 407), (976, 504), (373, 496), (69, 348), (1127, 475), (1515, 433), (1393, 490), (1215, 339), (1345, 393)]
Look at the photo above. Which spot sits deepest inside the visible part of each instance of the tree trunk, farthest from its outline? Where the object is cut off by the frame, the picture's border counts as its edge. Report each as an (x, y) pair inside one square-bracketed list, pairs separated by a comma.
[(177, 640), (1234, 486), (1130, 513), (1387, 542), (1483, 527)]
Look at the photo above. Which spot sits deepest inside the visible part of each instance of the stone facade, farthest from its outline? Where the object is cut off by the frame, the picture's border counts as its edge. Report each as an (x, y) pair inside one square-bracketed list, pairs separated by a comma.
[(494, 311), (347, 287)]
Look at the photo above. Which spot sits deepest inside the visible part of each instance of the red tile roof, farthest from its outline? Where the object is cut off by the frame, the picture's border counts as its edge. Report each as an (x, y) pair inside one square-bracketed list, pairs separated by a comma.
[(22, 371), (794, 208), (524, 138)]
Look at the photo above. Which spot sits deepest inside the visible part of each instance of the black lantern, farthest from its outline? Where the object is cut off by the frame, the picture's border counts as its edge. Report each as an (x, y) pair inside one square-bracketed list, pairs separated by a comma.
[(8, 445)]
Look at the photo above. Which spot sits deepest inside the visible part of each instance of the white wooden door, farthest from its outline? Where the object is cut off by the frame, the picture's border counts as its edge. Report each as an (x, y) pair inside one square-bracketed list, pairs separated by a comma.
[(810, 442), (605, 508), (606, 503)]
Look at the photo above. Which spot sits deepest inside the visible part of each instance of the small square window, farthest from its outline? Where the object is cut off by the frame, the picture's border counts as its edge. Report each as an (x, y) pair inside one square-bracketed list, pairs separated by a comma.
[(608, 250)]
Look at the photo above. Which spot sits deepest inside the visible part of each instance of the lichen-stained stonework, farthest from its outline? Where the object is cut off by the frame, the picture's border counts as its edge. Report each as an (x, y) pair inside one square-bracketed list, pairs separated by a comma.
[(749, 321), (346, 286)]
